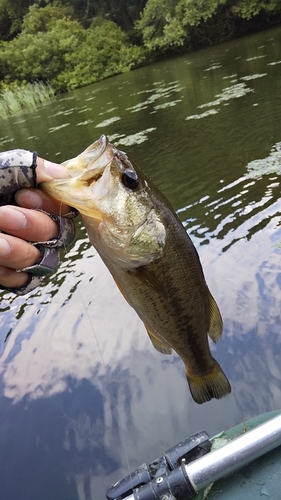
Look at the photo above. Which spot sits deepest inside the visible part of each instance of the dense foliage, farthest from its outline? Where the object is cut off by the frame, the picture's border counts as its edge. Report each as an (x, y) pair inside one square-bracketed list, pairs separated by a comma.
[(54, 46), (189, 24), (71, 43)]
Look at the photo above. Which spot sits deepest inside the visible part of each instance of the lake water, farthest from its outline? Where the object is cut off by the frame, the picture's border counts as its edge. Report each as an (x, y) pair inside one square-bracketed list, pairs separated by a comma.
[(84, 397)]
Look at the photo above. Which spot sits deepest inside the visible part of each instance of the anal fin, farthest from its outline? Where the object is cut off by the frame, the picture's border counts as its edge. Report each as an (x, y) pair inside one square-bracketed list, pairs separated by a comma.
[(158, 344), (216, 324)]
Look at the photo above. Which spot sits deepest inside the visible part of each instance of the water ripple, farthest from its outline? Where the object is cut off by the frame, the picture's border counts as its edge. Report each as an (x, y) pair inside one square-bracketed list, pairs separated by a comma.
[(129, 140), (162, 92), (86, 122), (58, 127), (256, 57), (202, 115), (269, 165), (169, 104), (107, 122), (108, 110), (233, 92), (253, 77), (241, 208), (274, 63)]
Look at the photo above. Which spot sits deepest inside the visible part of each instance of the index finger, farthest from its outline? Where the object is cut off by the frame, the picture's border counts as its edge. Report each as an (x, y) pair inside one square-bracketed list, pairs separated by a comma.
[(34, 198), (47, 171)]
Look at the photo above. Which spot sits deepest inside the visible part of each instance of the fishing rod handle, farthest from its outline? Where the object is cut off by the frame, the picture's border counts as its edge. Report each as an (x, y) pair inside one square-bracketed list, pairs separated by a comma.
[(235, 454), (176, 485)]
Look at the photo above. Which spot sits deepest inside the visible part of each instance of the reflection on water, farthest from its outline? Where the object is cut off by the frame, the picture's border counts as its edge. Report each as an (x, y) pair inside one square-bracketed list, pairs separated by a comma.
[(84, 397), (266, 166), (130, 140), (233, 92)]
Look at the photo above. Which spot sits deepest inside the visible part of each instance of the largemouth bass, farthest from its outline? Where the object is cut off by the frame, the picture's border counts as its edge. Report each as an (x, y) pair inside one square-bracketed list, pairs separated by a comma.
[(151, 258)]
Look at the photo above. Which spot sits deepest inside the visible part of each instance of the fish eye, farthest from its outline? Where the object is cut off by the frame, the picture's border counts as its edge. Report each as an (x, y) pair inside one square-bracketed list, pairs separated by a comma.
[(130, 180)]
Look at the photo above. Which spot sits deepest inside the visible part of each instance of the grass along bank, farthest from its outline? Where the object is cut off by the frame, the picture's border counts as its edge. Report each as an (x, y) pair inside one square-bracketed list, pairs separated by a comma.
[(23, 98)]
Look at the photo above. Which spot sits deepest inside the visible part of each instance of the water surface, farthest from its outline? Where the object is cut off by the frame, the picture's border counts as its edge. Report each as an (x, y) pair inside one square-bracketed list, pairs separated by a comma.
[(84, 397)]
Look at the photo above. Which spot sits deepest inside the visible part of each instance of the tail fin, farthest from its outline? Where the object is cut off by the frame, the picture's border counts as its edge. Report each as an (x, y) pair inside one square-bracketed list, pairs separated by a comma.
[(213, 384)]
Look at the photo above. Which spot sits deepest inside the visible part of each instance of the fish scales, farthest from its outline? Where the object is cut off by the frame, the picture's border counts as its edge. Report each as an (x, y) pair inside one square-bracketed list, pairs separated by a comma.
[(151, 258), (166, 307)]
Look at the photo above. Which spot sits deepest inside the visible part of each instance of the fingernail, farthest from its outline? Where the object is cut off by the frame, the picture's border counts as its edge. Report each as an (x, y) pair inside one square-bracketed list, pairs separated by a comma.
[(12, 219), (54, 170), (4, 248)]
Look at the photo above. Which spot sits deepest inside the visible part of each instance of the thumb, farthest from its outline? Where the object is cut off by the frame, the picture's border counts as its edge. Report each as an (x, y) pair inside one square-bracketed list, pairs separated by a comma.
[(47, 171)]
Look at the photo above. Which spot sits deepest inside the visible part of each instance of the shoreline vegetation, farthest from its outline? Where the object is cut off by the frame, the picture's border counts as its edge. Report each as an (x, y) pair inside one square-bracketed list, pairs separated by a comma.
[(17, 99), (51, 46)]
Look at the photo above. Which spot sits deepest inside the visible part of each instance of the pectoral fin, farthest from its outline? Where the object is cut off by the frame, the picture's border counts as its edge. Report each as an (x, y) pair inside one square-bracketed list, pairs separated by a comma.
[(149, 279), (121, 289), (216, 325)]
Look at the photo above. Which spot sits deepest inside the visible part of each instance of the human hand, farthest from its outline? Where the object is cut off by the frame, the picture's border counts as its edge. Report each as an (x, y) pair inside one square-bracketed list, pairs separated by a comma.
[(22, 225)]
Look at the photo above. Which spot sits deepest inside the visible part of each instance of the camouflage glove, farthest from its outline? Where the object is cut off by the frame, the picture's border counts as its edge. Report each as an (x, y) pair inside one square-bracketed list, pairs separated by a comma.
[(17, 171)]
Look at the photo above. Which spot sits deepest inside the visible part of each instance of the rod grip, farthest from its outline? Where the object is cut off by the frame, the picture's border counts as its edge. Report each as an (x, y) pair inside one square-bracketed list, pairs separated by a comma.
[(176, 483)]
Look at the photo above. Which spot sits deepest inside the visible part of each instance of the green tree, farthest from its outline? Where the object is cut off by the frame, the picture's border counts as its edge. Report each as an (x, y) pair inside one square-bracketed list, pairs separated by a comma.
[(122, 12), (172, 24), (104, 51), (159, 27), (64, 53), (166, 24), (40, 19), (193, 12), (12, 13), (247, 9)]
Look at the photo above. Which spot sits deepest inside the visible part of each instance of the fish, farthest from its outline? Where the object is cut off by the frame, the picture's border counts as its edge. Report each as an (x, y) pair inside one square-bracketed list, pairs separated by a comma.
[(152, 259)]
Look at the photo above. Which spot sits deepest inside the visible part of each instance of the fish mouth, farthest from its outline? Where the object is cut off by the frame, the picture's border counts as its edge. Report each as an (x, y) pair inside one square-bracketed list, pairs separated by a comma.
[(84, 171), (85, 160)]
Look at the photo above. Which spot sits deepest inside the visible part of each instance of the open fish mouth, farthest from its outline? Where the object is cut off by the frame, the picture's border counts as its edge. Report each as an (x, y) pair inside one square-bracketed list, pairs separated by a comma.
[(84, 171), (85, 160)]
